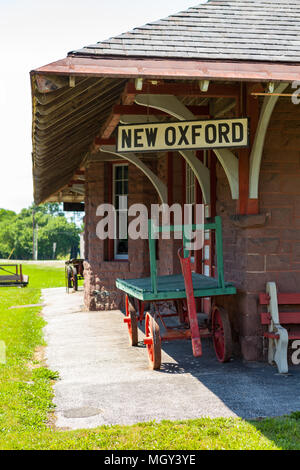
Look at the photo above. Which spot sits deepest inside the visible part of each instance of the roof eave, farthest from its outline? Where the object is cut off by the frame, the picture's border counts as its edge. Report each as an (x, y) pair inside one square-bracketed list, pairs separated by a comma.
[(180, 69)]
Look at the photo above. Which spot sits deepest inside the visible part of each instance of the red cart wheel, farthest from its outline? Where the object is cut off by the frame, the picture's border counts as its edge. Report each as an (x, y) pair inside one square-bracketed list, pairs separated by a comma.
[(131, 321), (221, 331), (153, 342)]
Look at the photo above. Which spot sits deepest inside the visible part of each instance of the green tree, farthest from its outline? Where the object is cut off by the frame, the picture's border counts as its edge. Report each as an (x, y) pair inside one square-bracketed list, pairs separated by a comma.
[(16, 232), (59, 231), (52, 208), (4, 214)]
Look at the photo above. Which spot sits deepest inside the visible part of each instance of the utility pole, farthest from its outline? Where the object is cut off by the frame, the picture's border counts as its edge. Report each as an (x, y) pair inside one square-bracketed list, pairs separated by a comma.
[(36, 255), (34, 237), (54, 249), (33, 234)]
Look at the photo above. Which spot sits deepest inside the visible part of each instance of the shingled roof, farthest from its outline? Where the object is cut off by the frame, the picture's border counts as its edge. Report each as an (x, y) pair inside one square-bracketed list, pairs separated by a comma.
[(259, 30), (233, 40)]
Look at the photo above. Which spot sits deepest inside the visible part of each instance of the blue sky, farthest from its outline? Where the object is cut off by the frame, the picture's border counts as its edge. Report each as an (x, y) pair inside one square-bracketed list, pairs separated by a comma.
[(34, 33)]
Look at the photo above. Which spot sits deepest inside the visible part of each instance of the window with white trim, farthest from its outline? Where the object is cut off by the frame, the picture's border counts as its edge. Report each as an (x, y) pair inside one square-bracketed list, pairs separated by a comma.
[(120, 200)]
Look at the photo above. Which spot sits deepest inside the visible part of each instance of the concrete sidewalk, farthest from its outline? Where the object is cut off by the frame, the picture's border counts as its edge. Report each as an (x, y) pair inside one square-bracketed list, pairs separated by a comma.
[(104, 381)]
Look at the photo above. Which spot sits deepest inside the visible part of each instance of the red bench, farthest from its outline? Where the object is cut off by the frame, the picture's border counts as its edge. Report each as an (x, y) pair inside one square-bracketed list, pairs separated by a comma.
[(278, 335)]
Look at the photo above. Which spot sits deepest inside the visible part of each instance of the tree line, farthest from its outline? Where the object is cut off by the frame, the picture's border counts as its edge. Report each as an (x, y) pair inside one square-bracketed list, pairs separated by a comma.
[(57, 237)]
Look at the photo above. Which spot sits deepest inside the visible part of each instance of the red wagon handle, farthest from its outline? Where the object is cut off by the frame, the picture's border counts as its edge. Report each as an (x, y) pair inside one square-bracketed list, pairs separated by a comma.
[(191, 303)]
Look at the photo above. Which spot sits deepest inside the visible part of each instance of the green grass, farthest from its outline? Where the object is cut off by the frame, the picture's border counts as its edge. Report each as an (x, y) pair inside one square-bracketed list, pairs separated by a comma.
[(25, 389), (202, 434), (43, 277), (26, 397)]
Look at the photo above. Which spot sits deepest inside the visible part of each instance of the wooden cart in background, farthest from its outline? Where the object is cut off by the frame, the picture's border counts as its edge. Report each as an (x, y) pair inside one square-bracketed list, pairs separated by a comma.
[(74, 272), (183, 290), (11, 275)]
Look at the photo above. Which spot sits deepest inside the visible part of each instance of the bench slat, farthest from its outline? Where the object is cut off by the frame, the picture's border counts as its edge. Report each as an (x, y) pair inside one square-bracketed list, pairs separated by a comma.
[(264, 299), (283, 299), (289, 318), (285, 318), (10, 278), (294, 336), (288, 299)]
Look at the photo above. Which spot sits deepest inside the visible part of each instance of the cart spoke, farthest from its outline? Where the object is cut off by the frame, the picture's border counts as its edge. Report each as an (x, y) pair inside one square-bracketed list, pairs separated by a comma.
[(153, 342), (221, 334), (131, 321)]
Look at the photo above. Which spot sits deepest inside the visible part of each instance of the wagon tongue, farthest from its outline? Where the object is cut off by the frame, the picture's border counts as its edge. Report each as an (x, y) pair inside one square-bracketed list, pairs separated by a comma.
[(191, 303), (197, 347)]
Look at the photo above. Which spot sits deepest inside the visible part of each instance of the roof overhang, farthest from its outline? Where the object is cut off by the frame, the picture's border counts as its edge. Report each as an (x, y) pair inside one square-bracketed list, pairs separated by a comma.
[(60, 145), (172, 69)]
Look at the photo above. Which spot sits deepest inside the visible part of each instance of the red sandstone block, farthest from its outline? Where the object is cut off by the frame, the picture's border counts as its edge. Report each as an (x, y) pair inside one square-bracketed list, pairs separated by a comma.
[(286, 247), (229, 231), (290, 234), (296, 198), (296, 252), (270, 155), (268, 200), (251, 347), (278, 262), (263, 245), (255, 282), (248, 303), (281, 217), (256, 263), (287, 107), (269, 166), (289, 183), (257, 232), (270, 182), (237, 277), (275, 141), (280, 166), (114, 267), (288, 125), (96, 253), (296, 206), (241, 245), (250, 325), (286, 281), (292, 141)]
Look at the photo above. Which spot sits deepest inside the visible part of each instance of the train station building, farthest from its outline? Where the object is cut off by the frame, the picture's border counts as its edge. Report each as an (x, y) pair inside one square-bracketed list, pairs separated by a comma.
[(220, 66)]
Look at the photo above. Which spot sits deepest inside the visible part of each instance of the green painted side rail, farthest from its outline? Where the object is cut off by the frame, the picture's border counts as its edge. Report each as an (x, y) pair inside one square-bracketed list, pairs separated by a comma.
[(152, 250), (172, 286)]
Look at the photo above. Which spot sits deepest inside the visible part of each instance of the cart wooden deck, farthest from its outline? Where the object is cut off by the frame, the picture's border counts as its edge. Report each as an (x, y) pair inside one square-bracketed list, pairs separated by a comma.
[(182, 289), (11, 275), (172, 287)]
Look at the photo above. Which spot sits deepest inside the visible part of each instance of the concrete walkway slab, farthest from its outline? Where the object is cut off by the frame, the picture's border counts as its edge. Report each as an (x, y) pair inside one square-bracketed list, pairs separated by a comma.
[(105, 381)]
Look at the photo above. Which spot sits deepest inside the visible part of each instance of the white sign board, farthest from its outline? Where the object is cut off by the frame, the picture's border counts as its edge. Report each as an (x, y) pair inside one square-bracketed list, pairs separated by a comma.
[(184, 135)]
